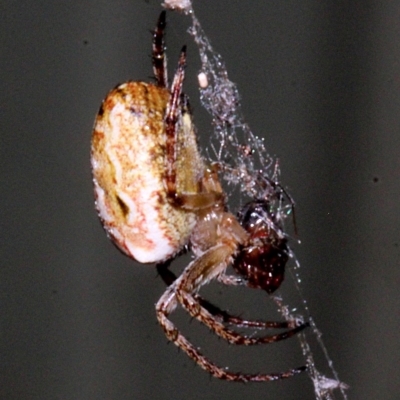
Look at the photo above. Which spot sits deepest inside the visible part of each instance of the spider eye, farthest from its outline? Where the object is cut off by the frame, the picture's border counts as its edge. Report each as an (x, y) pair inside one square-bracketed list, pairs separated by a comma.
[(262, 262)]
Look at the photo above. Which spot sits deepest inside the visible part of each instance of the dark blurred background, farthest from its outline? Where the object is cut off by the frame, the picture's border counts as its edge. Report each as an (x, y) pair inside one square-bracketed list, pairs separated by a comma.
[(318, 79)]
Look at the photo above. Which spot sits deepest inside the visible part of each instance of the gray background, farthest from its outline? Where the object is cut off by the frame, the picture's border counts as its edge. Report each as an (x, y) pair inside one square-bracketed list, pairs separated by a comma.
[(319, 79)]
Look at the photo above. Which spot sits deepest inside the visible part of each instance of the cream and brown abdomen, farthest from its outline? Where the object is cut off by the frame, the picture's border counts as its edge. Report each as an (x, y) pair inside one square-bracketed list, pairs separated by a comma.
[(128, 147)]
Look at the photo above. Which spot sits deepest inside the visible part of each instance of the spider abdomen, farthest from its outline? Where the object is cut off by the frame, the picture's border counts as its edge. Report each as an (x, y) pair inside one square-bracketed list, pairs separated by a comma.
[(128, 161)]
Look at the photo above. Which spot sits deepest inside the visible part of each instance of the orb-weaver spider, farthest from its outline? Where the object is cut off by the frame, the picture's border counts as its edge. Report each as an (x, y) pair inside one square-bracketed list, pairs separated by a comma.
[(155, 195)]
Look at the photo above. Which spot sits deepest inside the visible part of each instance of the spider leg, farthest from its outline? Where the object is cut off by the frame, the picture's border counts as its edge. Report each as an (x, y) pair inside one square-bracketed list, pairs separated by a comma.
[(172, 116), (229, 319), (180, 139), (199, 272), (159, 57), (166, 305), (169, 277), (233, 280)]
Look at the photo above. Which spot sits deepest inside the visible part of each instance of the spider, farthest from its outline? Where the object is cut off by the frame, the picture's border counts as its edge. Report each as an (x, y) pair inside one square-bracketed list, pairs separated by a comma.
[(156, 196)]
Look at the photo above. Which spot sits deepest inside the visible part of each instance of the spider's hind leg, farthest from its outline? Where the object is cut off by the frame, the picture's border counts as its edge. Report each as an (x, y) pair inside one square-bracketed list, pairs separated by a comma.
[(189, 184)]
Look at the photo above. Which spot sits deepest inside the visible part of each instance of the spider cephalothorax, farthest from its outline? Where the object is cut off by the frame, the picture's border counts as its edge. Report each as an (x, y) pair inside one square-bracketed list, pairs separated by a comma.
[(263, 258), (156, 195)]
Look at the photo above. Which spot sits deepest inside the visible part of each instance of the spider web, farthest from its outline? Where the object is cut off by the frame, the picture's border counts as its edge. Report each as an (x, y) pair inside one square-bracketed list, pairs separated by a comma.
[(251, 173)]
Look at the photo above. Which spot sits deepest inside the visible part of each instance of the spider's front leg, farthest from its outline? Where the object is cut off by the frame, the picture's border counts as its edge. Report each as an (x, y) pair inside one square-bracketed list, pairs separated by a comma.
[(221, 315), (212, 264), (199, 272), (165, 306)]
